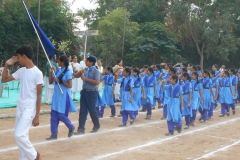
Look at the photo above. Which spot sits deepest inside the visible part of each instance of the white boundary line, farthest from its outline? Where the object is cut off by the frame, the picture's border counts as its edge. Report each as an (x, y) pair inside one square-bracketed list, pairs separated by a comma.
[(161, 140), (218, 150), (230, 139), (85, 135), (74, 122)]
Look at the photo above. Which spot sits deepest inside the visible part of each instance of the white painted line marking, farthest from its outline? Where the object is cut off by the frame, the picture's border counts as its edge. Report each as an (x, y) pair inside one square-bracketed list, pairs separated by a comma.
[(86, 135), (218, 150), (74, 122), (161, 140), (230, 139)]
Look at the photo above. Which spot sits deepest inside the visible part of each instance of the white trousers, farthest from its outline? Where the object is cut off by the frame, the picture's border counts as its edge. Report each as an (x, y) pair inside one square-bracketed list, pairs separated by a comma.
[(48, 91), (23, 122)]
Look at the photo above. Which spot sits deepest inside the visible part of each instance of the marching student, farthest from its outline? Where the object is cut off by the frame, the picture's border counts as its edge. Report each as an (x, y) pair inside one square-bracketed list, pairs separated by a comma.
[(108, 92), (61, 101), (206, 92), (128, 104), (214, 96), (29, 101), (171, 72), (234, 80), (187, 98), (150, 82), (196, 96), (159, 92), (226, 94), (138, 89), (142, 75), (174, 116), (215, 68)]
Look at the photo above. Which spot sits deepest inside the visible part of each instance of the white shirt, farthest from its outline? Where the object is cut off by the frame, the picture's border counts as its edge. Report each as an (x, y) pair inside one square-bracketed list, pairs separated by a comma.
[(100, 69), (29, 79)]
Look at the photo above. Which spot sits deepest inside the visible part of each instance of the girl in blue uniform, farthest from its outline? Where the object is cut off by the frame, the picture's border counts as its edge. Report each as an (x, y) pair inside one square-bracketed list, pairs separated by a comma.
[(234, 80), (128, 105), (196, 96), (61, 101), (138, 89), (159, 93), (206, 92), (214, 96), (150, 82), (142, 75), (226, 94), (187, 98), (174, 115), (108, 92), (171, 72)]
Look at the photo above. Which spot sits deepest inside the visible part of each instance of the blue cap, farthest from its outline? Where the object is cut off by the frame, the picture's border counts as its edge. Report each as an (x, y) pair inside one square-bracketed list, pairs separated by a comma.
[(91, 59)]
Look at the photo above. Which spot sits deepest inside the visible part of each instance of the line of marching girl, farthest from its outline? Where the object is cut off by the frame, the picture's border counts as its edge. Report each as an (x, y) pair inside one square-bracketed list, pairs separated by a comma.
[(182, 95)]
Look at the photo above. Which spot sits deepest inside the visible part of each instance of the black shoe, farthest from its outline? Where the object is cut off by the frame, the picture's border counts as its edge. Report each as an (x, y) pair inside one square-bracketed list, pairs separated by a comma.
[(79, 132), (119, 115), (52, 137), (175, 128), (100, 116), (228, 113), (94, 130), (153, 108), (70, 132), (169, 134), (148, 117), (122, 125), (179, 129), (234, 112), (131, 121), (202, 121), (222, 115), (186, 127), (113, 115), (163, 117)]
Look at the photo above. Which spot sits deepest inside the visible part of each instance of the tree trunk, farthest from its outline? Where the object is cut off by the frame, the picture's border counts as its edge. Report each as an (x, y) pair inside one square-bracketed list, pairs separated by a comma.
[(201, 61)]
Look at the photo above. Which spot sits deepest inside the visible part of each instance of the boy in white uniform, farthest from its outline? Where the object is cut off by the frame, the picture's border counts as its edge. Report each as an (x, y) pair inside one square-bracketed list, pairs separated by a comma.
[(29, 100)]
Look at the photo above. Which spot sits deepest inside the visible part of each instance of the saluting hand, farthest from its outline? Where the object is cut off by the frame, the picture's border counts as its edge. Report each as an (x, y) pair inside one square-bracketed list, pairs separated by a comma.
[(11, 61)]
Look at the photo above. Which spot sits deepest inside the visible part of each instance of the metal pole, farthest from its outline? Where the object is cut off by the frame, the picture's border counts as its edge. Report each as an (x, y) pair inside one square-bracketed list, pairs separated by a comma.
[(85, 49), (124, 29), (39, 25)]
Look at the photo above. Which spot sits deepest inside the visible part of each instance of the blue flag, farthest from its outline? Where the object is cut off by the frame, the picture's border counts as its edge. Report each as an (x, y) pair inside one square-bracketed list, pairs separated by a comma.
[(49, 47)]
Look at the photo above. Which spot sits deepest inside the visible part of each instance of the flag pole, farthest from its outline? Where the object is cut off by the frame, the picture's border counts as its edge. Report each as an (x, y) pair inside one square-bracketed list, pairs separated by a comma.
[(41, 44)]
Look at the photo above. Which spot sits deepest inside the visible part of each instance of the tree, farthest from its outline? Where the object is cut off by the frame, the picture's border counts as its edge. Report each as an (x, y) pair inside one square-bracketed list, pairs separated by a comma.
[(157, 42), (204, 24), (109, 41), (16, 28)]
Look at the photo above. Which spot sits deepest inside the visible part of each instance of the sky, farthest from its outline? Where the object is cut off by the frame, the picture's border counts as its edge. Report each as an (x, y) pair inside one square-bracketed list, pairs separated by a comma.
[(80, 4)]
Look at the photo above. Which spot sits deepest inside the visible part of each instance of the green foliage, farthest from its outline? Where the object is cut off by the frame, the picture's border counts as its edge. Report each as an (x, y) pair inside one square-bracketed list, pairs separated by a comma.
[(16, 28), (109, 41), (156, 40)]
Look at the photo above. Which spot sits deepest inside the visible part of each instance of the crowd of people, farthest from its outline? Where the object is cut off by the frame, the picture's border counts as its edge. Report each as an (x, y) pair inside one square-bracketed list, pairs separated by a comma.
[(182, 90)]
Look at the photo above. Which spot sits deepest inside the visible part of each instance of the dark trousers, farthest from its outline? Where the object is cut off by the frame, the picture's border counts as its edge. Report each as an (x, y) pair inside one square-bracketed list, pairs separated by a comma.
[(125, 115), (87, 104), (56, 117), (171, 125)]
